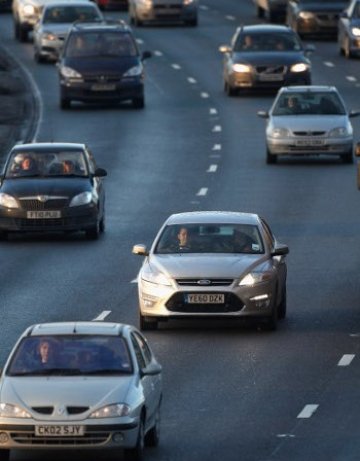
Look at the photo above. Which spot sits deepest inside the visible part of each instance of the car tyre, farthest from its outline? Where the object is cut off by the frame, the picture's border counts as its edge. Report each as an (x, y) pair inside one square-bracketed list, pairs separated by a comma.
[(229, 90), (260, 12), (4, 454), (146, 324), (347, 158), (282, 305), (138, 103), (137, 453), (65, 103), (270, 158), (94, 232), (102, 224), (271, 322), (38, 58), (152, 438), (3, 236), (23, 34), (192, 22)]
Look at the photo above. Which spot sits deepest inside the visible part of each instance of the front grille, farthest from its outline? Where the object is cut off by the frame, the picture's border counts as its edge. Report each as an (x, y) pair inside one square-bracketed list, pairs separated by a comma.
[(177, 304), (102, 78), (212, 282), (76, 410), (309, 133), (90, 438), (37, 205), (44, 410), (270, 70)]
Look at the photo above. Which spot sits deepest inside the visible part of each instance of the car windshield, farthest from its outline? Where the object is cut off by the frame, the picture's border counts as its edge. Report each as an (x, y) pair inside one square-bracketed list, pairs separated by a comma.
[(309, 103), (210, 238), (69, 14), (70, 355), (267, 42), (46, 164), (102, 44)]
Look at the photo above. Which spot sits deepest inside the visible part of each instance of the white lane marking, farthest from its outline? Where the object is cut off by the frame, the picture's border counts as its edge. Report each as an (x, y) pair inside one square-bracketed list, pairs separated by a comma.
[(176, 66), (351, 78), (134, 280), (284, 436), (213, 111), (217, 129), (102, 316), (216, 147), (308, 411), (346, 359), (140, 41), (212, 169), (354, 335), (204, 7), (192, 80), (204, 95), (215, 155), (329, 64), (202, 192), (230, 18), (158, 53)]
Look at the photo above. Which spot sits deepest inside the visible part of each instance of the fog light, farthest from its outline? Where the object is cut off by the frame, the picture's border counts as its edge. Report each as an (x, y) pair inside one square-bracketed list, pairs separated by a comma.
[(261, 301), (149, 300), (118, 437), (4, 438)]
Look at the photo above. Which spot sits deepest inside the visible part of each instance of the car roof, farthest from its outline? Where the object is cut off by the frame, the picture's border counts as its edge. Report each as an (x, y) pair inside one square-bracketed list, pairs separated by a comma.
[(213, 217), (308, 89), (265, 28), (70, 4), (77, 328), (45, 146), (99, 26)]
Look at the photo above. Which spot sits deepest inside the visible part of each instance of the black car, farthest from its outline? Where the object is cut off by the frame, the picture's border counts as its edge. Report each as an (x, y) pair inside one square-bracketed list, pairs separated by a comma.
[(101, 63), (349, 30), (315, 17), (52, 187), (265, 56), (274, 9)]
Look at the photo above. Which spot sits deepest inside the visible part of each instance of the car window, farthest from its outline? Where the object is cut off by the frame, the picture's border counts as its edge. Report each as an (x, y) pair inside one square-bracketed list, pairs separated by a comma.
[(69, 14), (268, 42), (309, 103), (138, 352), (269, 237), (210, 238), (144, 347), (70, 355), (46, 164)]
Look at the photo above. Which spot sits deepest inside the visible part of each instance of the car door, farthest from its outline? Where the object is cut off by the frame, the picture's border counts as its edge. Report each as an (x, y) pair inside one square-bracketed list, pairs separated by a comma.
[(151, 384)]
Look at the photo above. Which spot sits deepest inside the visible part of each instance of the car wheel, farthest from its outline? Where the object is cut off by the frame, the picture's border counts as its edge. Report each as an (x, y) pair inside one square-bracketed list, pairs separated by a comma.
[(270, 158), (260, 12), (4, 455), (37, 56), (192, 22), (23, 34), (102, 224), (136, 453), (282, 305), (94, 232), (138, 103), (146, 324), (229, 90), (3, 236), (347, 51), (65, 103), (152, 438), (271, 322), (347, 158)]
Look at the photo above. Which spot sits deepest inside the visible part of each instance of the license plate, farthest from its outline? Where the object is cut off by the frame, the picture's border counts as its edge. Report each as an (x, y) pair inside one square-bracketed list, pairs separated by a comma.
[(103, 87), (59, 431), (208, 298), (168, 12), (46, 214), (310, 142), (271, 77)]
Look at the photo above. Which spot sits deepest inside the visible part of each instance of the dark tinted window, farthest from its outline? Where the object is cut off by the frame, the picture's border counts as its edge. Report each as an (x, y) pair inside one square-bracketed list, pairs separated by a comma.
[(69, 14), (267, 42)]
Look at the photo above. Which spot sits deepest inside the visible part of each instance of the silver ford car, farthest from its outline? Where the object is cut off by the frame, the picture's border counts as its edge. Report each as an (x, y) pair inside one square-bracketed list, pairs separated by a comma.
[(80, 385), (212, 264)]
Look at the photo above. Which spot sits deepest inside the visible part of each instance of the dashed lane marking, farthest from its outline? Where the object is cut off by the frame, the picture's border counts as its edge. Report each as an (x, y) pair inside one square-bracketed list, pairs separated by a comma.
[(176, 66), (217, 129), (351, 78), (212, 169), (102, 316), (345, 360), (307, 411), (213, 111), (202, 192), (230, 18), (192, 80), (216, 147), (329, 64), (204, 95), (158, 53)]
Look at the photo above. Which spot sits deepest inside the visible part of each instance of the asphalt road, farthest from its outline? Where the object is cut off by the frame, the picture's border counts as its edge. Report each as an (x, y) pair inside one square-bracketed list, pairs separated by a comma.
[(231, 392)]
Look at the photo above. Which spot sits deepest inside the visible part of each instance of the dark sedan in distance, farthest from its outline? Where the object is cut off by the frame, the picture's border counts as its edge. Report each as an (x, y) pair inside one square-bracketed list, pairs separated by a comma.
[(265, 56), (52, 187), (349, 30), (315, 17)]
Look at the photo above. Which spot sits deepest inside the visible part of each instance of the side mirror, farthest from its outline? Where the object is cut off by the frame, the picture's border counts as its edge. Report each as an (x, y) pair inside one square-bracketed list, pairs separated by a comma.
[(100, 172), (354, 113), (263, 114), (224, 49), (146, 55), (140, 250), (152, 369), (280, 250), (357, 149)]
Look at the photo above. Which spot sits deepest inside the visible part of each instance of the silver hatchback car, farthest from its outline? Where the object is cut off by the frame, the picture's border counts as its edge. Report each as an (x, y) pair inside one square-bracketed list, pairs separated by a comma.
[(82, 385), (309, 120), (212, 264)]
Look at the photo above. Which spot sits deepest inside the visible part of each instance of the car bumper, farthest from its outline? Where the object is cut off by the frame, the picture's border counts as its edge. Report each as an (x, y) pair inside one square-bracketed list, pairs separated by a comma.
[(72, 219), (167, 13), (50, 48), (240, 301), (354, 44), (314, 26), (254, 80), (17, 435), (310, 146)]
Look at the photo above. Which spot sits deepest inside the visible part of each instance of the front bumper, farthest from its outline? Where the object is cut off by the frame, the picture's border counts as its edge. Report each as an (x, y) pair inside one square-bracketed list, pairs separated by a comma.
[(162, 301), (50, 48), (167, 13), (254, 79), (310, 146)]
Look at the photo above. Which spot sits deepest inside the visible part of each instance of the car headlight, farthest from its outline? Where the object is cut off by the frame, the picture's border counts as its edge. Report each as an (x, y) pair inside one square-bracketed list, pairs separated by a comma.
[(280, 133), (28, 9), (134, 71), (187, 2), (8, 201), (155, 276), (299, 67), (81, 199), (339, 131), (111, 411), (241, 68), (49, 36), (68, 72), (146, 2), (306, 15), (12, 411), (255, 277), (355, 31)]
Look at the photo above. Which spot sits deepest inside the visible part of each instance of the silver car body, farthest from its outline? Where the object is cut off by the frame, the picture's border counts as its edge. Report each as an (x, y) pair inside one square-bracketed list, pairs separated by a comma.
[(311, 130), (141, 11), (165, 281), (49, 36), (56, 403), (349, 30)]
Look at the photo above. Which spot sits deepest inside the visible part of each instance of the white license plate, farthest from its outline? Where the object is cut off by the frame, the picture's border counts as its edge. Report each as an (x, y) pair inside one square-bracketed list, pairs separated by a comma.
[(310, 142), (46, 214), (271, 77), (103, 87), (208, 298), (59, 431)]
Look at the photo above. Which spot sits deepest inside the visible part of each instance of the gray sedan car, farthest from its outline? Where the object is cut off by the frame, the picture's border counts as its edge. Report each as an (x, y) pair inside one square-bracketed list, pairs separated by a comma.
[(213, 264), (309, 120), (160, 11), (80, 385)]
